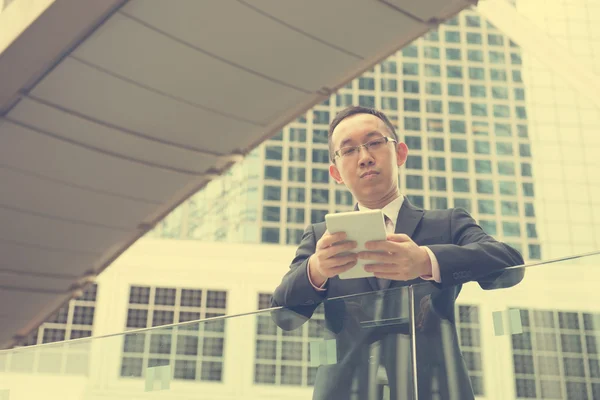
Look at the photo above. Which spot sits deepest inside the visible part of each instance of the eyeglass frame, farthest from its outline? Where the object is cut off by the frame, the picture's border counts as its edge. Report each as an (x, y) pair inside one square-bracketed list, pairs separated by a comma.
[(365, 145)]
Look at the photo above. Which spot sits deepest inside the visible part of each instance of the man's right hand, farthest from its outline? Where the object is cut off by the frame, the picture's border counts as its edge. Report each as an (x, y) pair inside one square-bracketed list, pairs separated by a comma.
[(327, 261)]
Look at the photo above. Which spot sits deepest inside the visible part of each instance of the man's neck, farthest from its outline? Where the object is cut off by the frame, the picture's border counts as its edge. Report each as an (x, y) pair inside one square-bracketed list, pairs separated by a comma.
[(381, 202)]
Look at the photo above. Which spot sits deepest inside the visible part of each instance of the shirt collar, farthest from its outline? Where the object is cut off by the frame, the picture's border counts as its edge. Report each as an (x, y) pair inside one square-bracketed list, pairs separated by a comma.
[(391, 210)]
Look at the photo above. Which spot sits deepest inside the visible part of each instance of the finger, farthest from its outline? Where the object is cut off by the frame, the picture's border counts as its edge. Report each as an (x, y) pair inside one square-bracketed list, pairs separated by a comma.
[(343, 268), (334, 250), (382, 268), (329, 239), (385, 245), (335, 262), (399, 237), (376, 257)]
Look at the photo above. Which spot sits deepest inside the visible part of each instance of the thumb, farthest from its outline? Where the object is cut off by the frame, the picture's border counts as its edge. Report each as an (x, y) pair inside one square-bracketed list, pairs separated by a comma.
[(399, 237)]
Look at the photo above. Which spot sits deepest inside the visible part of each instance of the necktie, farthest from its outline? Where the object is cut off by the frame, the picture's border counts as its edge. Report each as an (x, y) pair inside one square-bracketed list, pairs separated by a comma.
[(389, 227)]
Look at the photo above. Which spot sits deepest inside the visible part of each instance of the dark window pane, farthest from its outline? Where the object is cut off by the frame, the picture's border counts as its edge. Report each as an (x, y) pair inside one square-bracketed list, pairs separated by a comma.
[(272, 192), (460, 165), (410, 86), (296, 194), (270, 235), (461, 185), (413, 142), (437, 164), (414, 162), (437, 183), (436, 144), (320, 196), (272, 172), (414, 182), (483, 166), (458, 127)]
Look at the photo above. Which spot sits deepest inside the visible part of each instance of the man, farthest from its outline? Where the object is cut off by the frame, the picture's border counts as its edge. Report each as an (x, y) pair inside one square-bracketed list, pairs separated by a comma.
[(439, 249)]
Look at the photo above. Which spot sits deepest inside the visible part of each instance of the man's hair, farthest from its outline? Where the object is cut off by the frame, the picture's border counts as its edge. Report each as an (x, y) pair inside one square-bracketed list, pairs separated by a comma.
[(353, 110)]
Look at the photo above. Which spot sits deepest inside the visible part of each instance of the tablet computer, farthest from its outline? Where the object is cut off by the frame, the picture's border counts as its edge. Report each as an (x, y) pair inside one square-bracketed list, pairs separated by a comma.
[(361, 227)]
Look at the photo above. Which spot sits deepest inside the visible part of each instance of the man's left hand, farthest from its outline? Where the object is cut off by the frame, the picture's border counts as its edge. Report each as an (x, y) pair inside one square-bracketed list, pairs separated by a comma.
[(400, 259)]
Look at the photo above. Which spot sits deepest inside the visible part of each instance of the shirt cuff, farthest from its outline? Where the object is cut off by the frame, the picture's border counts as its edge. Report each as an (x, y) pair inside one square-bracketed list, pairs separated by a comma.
[(435, 268), (321, 288)]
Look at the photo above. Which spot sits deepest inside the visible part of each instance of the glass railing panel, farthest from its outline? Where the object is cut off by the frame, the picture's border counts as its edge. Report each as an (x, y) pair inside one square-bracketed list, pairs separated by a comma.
[(534, 335)]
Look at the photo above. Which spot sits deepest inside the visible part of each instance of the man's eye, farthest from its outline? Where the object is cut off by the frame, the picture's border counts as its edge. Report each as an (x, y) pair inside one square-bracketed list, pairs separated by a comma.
[(348, 151), (376, 143)]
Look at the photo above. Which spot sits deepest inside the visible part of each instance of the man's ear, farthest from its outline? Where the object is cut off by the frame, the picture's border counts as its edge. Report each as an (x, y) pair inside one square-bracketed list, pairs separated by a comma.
[(401, 153), (335, 173)]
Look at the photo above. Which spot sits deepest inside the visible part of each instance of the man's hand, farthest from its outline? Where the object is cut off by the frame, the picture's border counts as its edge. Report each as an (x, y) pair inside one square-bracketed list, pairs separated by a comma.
[(327, 261), (401, 259)]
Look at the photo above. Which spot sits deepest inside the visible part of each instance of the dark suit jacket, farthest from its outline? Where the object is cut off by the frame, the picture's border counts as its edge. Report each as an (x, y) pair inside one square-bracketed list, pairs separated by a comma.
[(464, 252)]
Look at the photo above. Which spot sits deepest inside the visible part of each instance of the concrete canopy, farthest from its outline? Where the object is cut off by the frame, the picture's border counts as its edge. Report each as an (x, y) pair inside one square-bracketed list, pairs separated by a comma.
[(113, 112)]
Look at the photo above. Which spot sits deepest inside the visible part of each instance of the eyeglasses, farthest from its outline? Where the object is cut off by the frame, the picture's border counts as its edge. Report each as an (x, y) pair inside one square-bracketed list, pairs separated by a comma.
[(373, 145)]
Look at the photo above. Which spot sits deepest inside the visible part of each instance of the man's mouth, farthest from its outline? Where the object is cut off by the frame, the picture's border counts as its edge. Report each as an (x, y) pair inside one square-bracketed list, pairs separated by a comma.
[(368, 173)]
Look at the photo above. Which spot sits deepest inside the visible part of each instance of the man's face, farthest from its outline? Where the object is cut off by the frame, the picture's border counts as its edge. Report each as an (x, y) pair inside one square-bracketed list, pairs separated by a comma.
[(369, 174)]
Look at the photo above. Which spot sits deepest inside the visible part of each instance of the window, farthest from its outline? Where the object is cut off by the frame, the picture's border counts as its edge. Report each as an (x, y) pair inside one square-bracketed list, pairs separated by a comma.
[(499, 92), (317, 216), (435, 125), (496, 57), (479, 109), (389, 67), (504, 149), (498, 75), (506, 168), (196, 350), (454, 72), (463, 203), (486, 206), (344, 100), (476, 73), (436, 144), (295, 215), (529, 210), (524, 150), (455, 89), (501, 111), (502, 130), (523, 131), (413, 142), (417, 200), (456, 108), (298, 135), (488, 227), (481, 147), (437, 183), (531, 231), (431, 52), (366, 101), (412, 124), (272, 193), (516, 75), (297, 154), (414, 182), (410, 86), (410, 69), (528, 189), (320, 156), (526, 169), (515, 59), (296, 195), (414, 162), (433, 88), (460, 165), (480, 128), (320, 175), (434, 106), (320, 196), (509, 208), (521, 113), (461, 185), (508, 188), (458, 146), (321, 117), (485, 186), (535, 253), (519, 94), (483, 166), (432, 70), (389, 103), (458, 126), (474, 38), (452, 37), (294, 236), (477, 91), (270, 235), (343, 198), (389, 85), (438, 203), (495, 40), (366, 83), (432, 36), (410, 51), (473, 21), (511, 229), (271, 213), (320, 136), (452, 21), (278, 136), (475, 55), (412, 105), (296, 174), (437, 164), (453, 54), (272, 172)]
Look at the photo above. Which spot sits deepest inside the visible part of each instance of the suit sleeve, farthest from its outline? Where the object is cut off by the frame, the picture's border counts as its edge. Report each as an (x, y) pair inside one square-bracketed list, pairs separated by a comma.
[(476, 256), (295, 288)]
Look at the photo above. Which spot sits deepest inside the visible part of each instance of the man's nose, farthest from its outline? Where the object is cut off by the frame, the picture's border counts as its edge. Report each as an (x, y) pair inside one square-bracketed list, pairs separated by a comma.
[(365, 157)]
